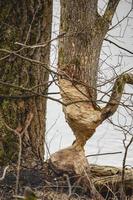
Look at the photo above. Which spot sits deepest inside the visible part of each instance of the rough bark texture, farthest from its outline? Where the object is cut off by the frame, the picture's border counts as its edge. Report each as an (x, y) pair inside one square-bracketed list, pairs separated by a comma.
[(27, 22), (79, 50)]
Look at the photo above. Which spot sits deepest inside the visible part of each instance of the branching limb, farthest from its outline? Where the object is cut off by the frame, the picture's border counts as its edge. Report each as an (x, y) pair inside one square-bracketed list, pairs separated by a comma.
[(110, 10), (117, 92), (20, 134), (124, 166), (120, 47)]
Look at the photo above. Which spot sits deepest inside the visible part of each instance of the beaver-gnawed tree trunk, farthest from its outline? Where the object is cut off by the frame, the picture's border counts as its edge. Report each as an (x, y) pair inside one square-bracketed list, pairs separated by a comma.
[(79, 51), (28, 23)]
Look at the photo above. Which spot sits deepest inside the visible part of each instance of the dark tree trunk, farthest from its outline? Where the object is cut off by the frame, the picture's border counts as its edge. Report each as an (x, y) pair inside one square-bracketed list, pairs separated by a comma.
[(29, 23)]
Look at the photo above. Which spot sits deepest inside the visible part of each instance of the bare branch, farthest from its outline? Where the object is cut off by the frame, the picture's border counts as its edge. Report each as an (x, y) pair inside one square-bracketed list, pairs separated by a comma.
[(124, 159), (103, 154), (29, 60), (20, 134), (117, 92), (18, 197), (124, 49), (110, 10), (28, 90), (40, 45), (120, 21)]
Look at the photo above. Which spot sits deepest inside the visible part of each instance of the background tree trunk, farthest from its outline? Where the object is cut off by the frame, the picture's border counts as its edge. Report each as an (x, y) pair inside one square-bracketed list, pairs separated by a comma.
[(29, 23)]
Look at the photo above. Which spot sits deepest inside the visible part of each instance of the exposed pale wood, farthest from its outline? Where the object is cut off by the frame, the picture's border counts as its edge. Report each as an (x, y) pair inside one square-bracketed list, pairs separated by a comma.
[(72, 159), (82, 117), (79, 53), (116, 95)]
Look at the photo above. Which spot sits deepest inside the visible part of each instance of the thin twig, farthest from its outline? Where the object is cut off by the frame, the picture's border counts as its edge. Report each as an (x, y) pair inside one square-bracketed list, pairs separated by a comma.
[(111, 42), (4, 173), (124, 165), (20, 134), (69, 185), (102, 154), (40, 45), (18, 197)]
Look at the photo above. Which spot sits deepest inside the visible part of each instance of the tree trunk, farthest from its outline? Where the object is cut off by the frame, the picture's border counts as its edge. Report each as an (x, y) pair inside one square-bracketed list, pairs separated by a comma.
[(79, 51), (22, 81), (83, 31)]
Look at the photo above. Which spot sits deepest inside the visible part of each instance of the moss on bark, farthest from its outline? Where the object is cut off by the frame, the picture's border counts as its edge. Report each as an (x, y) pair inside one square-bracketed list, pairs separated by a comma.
[(27, 22)]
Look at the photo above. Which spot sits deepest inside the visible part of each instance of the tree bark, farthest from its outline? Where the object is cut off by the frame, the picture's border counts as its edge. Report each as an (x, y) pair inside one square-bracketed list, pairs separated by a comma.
[(29, 23), (79, 51)]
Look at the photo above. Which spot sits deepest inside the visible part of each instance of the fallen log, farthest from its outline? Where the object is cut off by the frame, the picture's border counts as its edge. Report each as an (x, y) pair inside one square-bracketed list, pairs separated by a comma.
[(108, 180)]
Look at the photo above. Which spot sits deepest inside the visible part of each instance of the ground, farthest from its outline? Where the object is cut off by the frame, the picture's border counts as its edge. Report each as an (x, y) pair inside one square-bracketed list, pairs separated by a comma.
[(49, 183)]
